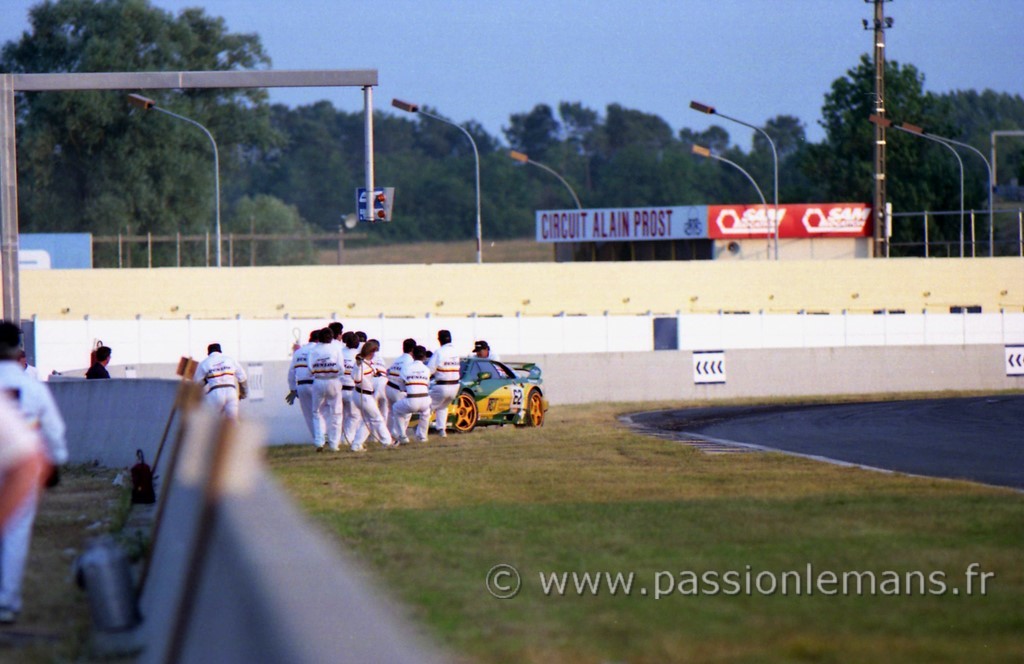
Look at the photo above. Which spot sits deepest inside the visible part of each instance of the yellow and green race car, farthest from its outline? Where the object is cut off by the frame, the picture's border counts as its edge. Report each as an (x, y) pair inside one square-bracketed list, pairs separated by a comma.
[(493, 392)]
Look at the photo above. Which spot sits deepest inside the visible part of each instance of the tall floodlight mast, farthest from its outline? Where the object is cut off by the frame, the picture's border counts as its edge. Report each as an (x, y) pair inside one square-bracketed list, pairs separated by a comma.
[(880, 24)]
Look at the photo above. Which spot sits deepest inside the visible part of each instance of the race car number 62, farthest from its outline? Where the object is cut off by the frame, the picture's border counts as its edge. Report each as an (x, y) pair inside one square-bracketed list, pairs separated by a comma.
[(517, 398)]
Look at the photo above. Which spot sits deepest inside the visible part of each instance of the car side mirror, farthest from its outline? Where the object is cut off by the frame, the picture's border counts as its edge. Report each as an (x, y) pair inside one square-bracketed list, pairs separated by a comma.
[(486, 375)]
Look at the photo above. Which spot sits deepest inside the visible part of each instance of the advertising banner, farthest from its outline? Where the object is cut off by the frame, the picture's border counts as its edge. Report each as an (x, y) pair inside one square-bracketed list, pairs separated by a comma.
[(807, 220), (694, 222), (623, 224)]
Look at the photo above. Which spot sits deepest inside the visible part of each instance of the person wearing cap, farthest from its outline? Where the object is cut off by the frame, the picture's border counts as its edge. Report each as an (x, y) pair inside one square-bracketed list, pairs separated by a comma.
[(327, 407), (415, 379), (300, 381), (366, 420), (38, 411), (483, 351), (224, 379), (445, 366)]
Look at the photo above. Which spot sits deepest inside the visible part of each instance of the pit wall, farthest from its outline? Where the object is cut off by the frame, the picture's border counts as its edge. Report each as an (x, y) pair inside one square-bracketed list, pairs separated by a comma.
[(529, 289)]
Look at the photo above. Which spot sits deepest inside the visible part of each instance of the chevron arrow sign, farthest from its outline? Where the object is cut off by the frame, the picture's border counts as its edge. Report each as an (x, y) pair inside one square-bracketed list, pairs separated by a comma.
[(709, 367), (1015, 360)]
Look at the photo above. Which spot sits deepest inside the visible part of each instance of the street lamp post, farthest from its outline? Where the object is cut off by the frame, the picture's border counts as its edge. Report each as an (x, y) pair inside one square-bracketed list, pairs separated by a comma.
[(991, 183), (146, 104), (711, 110), (415, 108), (917, 131), (520, 157), (702, 151)]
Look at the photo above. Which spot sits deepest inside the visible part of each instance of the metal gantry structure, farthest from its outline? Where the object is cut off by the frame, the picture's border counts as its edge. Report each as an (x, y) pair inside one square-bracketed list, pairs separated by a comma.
[(10, 84)]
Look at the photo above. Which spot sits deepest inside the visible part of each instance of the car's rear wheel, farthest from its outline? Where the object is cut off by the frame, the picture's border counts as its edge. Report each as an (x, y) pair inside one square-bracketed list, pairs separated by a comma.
[(466, 413), (534, 409)]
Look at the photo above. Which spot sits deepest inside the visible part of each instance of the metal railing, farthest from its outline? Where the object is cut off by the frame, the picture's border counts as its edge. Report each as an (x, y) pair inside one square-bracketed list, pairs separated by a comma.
[(953, 234), (198, 250)]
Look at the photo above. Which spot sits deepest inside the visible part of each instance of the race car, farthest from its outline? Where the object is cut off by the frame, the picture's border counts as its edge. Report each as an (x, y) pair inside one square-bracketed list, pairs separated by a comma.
[(493, 392)]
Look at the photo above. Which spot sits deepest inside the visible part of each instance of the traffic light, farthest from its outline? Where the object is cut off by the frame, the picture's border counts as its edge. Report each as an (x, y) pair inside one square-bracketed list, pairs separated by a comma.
[(383, 200)]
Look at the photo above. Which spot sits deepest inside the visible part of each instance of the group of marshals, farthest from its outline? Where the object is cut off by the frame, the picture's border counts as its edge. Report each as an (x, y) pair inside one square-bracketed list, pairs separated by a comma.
[(347, 394)]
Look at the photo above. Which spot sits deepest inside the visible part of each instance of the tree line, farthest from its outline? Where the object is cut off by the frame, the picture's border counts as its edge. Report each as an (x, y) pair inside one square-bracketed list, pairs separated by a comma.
[(87, 161)]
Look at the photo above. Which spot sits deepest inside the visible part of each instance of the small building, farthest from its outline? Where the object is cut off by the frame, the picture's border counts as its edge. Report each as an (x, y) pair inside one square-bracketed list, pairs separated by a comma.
[(704, 232)]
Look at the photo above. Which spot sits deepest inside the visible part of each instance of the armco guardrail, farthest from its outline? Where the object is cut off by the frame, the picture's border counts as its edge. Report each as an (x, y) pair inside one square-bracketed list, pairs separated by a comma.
[(236, 574), (108, 420)]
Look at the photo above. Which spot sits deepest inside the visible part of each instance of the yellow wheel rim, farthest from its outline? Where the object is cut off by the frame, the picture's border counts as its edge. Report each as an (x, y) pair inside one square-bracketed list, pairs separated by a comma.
[(465, 413)]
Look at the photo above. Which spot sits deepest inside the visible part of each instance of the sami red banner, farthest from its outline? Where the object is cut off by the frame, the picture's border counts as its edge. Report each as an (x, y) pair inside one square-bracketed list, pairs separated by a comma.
[(795, 220)]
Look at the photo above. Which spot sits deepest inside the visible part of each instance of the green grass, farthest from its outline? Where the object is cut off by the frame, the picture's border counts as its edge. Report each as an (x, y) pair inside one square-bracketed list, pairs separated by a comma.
[(584, 494)]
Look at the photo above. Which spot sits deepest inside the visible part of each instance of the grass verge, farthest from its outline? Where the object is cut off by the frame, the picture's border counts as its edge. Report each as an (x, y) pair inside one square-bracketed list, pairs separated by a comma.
[(55, 624), (585, 495)]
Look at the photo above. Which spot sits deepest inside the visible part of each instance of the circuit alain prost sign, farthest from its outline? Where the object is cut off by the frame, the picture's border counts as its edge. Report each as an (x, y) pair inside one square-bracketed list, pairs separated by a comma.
[(703, 222), (622, 224)]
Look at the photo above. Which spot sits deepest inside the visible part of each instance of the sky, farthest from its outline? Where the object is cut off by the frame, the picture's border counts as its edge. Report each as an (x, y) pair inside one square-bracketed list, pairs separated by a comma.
[(484, 60)]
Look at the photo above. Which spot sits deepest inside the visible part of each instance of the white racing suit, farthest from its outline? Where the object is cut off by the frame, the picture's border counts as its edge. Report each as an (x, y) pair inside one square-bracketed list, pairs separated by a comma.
[(444, 366), (222, 377), (326, 398), (300, 381), (415, 378)]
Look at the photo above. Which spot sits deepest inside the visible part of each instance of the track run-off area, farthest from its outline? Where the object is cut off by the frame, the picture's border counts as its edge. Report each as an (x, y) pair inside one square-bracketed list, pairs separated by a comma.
[(980, 438)]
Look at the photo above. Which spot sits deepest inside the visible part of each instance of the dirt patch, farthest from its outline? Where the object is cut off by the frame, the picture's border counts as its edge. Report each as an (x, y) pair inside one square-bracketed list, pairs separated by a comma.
[(55, 623)]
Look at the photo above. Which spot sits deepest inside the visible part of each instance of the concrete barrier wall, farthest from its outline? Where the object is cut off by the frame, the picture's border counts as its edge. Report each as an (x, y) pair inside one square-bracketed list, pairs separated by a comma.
[(108, 420), (571, 379), (239, 575), (274, 590), (65, 345)]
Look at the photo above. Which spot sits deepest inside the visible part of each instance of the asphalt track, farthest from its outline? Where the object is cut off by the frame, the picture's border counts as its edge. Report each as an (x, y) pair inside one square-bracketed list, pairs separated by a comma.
[(979, 438)]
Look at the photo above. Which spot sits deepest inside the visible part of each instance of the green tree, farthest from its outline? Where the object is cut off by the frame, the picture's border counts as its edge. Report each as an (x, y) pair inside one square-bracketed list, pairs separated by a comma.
[(920, 175), (533, 133), (631, 128), (264, 214), (86, 161)]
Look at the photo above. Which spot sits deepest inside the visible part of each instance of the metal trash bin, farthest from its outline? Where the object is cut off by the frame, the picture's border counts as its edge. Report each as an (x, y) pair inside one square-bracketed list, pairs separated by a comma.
[(105, 573)]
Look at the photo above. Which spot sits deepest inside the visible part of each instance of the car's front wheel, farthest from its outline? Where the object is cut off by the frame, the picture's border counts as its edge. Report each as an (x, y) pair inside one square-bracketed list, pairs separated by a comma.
[(466, 413)]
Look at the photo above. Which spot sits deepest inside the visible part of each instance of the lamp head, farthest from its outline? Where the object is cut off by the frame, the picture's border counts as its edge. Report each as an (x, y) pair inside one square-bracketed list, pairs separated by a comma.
[(405, 106), (700, 150), (703, 108), (879, 120), (518, 156), (145, 103)]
